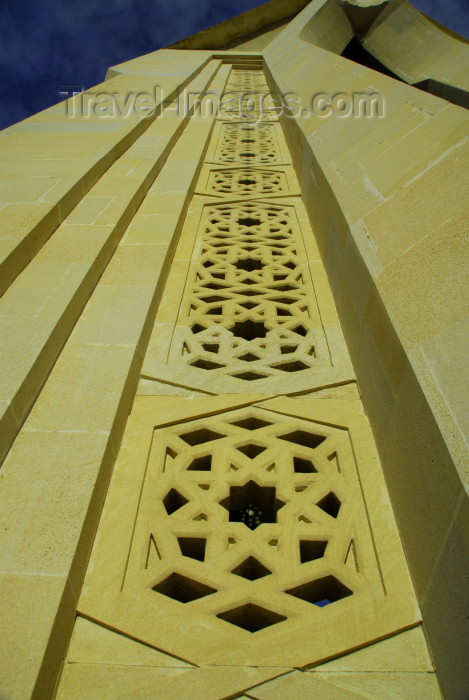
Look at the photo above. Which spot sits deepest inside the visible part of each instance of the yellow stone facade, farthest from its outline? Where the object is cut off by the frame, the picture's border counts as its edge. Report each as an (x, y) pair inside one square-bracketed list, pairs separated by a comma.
[(233, 413)]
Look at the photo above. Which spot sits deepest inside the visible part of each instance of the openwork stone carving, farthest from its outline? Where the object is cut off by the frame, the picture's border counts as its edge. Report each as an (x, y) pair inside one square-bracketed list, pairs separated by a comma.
[(249, 313), (247, 181), (248, 528), (248, 144)]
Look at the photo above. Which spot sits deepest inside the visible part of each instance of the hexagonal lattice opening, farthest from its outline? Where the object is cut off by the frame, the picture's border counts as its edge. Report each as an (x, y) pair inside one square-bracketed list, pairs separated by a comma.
[(193, 547), (301, 437), (251, 617), (198, 437), (173, 501), (251, 569), (321, 592), (312, 549), (201, 464), (252, 504), (183, 589), (330, 504), (303, 466)]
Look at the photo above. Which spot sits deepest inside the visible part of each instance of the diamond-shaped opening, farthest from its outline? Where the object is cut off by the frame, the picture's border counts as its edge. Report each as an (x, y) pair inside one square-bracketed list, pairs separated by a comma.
[(249, 330), (251, 569), (249, 221), (249, 357), (193, 547), (197, 437), (201, 464), (252, 504), (321, 592), (294, 366), (283, 312), (246, 182), (249, 264), (251, 423), (250, 450), (251, 617), (206, 364), (301, 437), (173, 501), (303, 466), (312, 549), (183, 589), (249, 376), (212, 299), (330, 504)]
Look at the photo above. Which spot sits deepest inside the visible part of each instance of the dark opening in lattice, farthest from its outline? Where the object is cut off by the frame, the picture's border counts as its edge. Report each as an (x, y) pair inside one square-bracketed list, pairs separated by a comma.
[(201, 464), (249, 330), (193, 547), (251, 423), (249, 221), (321, 592), (173, 501), (199, 436), (330, 504), (249, 264), (206, 364), (301, 437), (251, 569), (312, 549), (252, 504), (249, 376), (251, 617), (303, 466), (183, 589), (250, 450), (294, 366)]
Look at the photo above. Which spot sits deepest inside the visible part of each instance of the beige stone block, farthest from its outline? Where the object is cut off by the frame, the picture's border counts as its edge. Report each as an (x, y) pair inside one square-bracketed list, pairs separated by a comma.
[(431, 140), (420, 207), (404, 652), (301, 685), (45, 607), (446, 606), (92, 643), (86, 389), (388, 686), (103, 681), (114, 316), (136, 265), (437, 297), (421, 477), (81, 243), (154, 229), (89, 210), (47, 494), (444, 355)]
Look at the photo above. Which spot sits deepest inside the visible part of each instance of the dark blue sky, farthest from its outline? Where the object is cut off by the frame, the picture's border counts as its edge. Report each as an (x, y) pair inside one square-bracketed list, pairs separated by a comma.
[(48, 43)]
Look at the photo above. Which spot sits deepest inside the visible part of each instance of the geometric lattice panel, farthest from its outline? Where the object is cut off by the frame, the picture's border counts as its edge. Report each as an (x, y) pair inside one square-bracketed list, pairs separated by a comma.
[(256, 534), (246, 80), (247, 181), (249, 313), (248, 144)]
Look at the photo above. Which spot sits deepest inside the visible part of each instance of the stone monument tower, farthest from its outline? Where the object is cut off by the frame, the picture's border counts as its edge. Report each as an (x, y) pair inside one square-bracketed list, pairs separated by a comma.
[(233, 429)]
